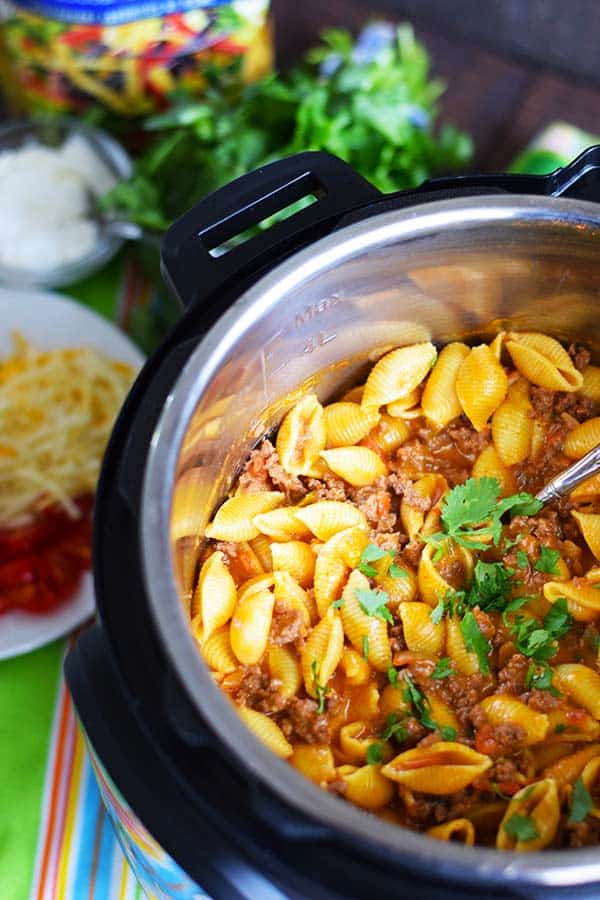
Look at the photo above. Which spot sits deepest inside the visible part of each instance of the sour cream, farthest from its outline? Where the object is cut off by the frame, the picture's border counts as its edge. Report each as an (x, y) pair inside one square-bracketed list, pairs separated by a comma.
[(45, 193)]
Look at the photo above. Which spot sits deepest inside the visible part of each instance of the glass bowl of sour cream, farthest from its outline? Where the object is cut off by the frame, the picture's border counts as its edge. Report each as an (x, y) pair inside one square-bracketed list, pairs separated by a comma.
[(51, 173)]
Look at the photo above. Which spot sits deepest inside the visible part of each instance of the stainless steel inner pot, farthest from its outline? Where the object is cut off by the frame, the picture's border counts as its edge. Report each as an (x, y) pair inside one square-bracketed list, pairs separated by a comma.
[(456, 269)]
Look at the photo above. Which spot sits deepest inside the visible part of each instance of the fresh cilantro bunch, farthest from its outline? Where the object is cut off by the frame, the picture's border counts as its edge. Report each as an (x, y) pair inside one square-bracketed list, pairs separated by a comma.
[(372, 103)]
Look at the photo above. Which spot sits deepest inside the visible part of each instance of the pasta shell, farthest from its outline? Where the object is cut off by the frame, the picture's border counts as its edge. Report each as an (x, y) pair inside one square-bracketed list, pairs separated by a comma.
[(441, 713), (440, 769), (355, 740), (392, 701), (481, 385), (302, 436), (460, 831), (348, 423), (399, 590), (296, 558), (389, 434), (254, 585), (359, 466), (328, 517), (591, 383), (501, 709), (587, 491), (407, 407), (420, 633), (250, 626), (233, 521), (367, 788), (284, 666), (289, 593), (217, 652), (323, 651), (432, 585), (216, 593), (540, 803), (574, 726), (187, 508), (261, 547), (431, 487), (356, 669), (315, 762), (281, 524), (354, 395), (583, 599), (512, 427), (364, 703), (440, 402), (267, 731), (591, 780), (568, 769), (358, 625), (489, 465), (464, 662), (581, 684), (398, 373), (244, 563), (543, 361), (589, 523), (582, 439), (497, 344), (538, 436), (336, 557)]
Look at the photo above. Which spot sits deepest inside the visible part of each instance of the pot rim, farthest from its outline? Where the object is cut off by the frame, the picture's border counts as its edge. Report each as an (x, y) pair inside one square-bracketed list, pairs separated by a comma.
[(482, 865)]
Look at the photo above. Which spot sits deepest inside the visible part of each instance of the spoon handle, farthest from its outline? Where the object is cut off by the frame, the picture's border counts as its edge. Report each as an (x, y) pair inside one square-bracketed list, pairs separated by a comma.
[(569, 479)]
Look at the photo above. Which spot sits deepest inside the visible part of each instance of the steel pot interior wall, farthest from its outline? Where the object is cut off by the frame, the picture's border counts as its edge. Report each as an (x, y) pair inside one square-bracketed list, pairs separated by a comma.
[(455, 269)]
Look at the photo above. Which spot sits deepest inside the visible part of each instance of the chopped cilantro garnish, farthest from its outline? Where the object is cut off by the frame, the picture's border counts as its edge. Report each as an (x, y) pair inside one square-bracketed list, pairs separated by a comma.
[(392, 675), (491, 586), (422, 707), (521, 828), (437, 613), (394, 728), (499, 793), (443, 668), (558, 729), (338, 603), (541, 679), (374, 754), (539, 641), (581, 802), (373, 603), (475, 641), (558, 619), (547, 561), (371, 553), (320, 689), (512, 606), (522, 559), (365, 646), (448, 733), (473, 510), (397, 572)]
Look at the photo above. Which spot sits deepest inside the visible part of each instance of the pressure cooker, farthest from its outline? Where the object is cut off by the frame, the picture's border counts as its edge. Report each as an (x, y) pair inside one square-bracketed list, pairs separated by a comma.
[(197, 802)]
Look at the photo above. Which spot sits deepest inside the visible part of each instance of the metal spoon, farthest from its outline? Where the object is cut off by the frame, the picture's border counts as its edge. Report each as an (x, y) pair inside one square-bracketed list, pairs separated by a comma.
[(569, 479), (120, 228)]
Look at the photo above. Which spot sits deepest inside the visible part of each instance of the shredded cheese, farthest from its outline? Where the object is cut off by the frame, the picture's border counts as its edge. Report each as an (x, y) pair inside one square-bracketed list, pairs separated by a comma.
[(57, 409)]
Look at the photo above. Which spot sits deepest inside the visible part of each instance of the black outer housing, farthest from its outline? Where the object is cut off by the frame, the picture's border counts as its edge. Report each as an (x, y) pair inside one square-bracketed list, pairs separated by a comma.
[(231, 834)]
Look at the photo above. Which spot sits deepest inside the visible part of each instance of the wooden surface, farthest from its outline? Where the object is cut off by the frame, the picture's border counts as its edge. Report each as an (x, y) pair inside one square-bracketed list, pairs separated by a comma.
[(501, 100)]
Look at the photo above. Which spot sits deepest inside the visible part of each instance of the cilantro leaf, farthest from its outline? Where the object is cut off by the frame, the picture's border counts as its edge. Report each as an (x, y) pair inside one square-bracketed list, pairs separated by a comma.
[(374, 754), (558, 620), (492, 585), (421, 704), (581, 802), (443, 668), (371, 553), (437, 613), (373, 603), (522, 504), (547, 561), (521, 828), (448, 733), (337, 604), (321, 690), (541, 680), (392, 675), (475, 641), (365, 646), (396, 571), (522, 559), (394, 728), (539, 642), (558, 729)]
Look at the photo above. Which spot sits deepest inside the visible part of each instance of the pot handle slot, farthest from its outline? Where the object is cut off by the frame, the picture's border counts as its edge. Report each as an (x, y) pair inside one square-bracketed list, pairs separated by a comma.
[(197, 254)]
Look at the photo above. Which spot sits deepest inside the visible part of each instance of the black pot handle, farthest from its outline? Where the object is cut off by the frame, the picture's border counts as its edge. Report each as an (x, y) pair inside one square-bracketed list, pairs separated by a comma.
[(193, 269), (580, 180)]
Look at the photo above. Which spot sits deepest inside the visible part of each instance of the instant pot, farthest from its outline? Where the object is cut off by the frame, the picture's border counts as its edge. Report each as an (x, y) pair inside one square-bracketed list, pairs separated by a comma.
[(310, 303)]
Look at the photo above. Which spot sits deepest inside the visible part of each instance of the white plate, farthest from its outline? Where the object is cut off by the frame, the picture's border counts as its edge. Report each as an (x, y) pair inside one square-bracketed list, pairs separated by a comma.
[(51, 321)]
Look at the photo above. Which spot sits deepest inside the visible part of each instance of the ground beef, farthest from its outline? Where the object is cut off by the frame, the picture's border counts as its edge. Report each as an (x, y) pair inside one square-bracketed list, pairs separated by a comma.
[(264, 472), (485, 623), (411, 553), (330, 487), (286, 624), (376, 503), (397, 642), (552, 406), (497, 740), (451, 452), (542, 701), (302, 720), (389, 540), (503, 772), (580, 356), (398, 483), (462, 693), (511, 678), (429, 810), (583, 834), (259, 691)]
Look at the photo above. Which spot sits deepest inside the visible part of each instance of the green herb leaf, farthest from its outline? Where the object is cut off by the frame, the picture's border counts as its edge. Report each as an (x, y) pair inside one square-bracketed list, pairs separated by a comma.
[(581, 802), (321, 690), (558, 729), (394, 728), (337, 604), (392, 674), (541, 680), (558, 620), (396, 571), (512, 606), (475, 641), (371, 553), (443, 668), (492, 586), (522, 504), (522, 559), (448, 733), (365, 646), (547, 561), (437, 613), (521, 828), (374, 754), (419, 701), (373, 603)]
